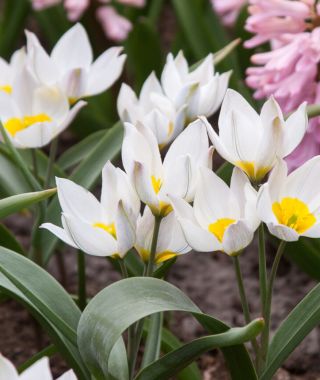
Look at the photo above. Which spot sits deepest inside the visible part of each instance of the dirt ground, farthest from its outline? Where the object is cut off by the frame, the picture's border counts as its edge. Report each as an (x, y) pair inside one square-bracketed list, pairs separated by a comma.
[(209, 281)]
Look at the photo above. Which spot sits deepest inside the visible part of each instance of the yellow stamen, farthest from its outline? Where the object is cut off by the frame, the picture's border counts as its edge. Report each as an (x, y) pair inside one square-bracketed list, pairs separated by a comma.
[(156, 184), (6, 88), (294, 213), (218, 228), (170, 128), (110, 228), (249, 168), (16, 124), (160, 257)]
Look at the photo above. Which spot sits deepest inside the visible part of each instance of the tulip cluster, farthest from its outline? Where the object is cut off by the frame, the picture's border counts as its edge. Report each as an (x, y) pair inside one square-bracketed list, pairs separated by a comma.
[(40, 94)]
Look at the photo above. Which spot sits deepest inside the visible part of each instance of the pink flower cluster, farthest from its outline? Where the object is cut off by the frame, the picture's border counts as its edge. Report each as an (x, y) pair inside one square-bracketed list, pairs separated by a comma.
[(289, 71), (228, 9), (115, 26)]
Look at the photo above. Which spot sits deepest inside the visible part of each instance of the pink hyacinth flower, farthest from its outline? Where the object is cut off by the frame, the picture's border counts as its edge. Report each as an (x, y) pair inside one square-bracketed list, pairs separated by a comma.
[(228, 9), (269, 19), (115, 26), (76, 8), (133, 3)]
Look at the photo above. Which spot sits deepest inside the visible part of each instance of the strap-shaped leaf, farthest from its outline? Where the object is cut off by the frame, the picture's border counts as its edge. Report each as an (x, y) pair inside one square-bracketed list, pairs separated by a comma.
[(170, 364), (16, 203), (46, 300), (121, 304), (303, 318), (8, 240)]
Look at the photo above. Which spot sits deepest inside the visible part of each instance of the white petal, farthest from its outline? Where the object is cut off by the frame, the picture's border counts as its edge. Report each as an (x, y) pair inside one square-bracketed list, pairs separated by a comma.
[(73, 50), (37, 135), (70, 375), (170, 79), (144, 231), (39, 370), (126, 103), (151, 85), (277, 179), (236, 237), (77, 201), (105, 71), (283, 232), (143, 185), (264, 205), (294, 130), (7, 370), (60, 233), (269, 111), (91, 240), (313, 232), (71, 114), (204, 72), (182, 208), (50, 101), (109, 191), (198, 238), (125, 231), (128, 194)]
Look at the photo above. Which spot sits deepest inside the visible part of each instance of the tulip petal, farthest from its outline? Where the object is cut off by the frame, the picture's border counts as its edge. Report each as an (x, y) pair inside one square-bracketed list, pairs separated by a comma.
[(7, 370), (283, 232), (236, 237), (70, 375), (39, 370), (313, 232), (60, 233), (127, 103), (125, 231)]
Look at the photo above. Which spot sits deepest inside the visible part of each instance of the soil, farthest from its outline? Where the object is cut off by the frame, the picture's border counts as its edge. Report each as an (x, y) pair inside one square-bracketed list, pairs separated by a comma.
[(209, 281)]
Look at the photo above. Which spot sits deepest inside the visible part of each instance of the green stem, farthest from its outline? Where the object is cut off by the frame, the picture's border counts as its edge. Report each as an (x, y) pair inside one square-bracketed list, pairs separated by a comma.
[(262, 268), (35, 164), (52, 157), (123, 268), (155, 10), (153, 342), (267, 311), (244, 300), (82, 291), (147, 272)]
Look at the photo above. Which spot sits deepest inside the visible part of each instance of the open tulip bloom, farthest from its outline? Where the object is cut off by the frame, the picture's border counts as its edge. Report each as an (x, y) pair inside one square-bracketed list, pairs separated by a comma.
[(40, 370), (290, 204), (171, 241), (253, 142), (176, 175), (33, 114), (71, 65), (222, 218), (105, 228), (9, 70)]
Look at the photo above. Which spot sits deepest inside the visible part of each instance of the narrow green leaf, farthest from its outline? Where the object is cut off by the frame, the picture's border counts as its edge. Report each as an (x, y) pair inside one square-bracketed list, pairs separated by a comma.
[(303, 318), (48, 351), (8, 240), (16, 203), (170, 364), (108, 313), (50, 304)]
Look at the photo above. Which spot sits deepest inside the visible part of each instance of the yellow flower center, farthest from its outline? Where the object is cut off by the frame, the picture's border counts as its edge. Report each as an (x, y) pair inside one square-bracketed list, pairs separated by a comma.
[(218, 228), (6, 88), (294, 213), (110, 228), (249, 169), (160, 257), (156, 184), (16, 124)]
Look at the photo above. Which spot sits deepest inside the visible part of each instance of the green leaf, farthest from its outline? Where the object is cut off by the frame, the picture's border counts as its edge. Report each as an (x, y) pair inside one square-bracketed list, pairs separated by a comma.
[(140, 63), (170, 364), (153, 341), (80, 151), (50, 304), (16, 203), (8, 240), (86, 174), (107, 312), (303, 318)]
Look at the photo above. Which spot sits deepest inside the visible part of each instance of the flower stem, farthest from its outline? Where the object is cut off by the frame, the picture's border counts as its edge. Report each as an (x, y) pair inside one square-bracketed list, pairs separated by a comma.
[(244, 300), (262, 268), (133, 353), (82, 292), (52, 157), (267, 309)]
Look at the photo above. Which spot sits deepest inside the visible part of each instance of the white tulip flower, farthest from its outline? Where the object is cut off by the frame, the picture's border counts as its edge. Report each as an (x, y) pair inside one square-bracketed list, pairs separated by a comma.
[(171, 241), (222, 218), (33, 114), (290, 204), (9, 70), (105, 228), (202, 90), (152, 109), (177, 175), (71, 65), (40, 370), (253, 142)]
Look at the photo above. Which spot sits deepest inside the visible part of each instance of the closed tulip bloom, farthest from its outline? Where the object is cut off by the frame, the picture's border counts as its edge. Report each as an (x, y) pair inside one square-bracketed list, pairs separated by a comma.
[(9, 70), (34, 114), (222, 218), (253, 142), (290, 204), (105, 228), (71, 65), (152, 109), (201, 90), (171, 241), (177, 174), (40, 370)]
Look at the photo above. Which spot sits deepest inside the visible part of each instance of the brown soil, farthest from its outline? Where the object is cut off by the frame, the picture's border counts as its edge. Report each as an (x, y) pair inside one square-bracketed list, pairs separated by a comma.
[(209, 281)]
